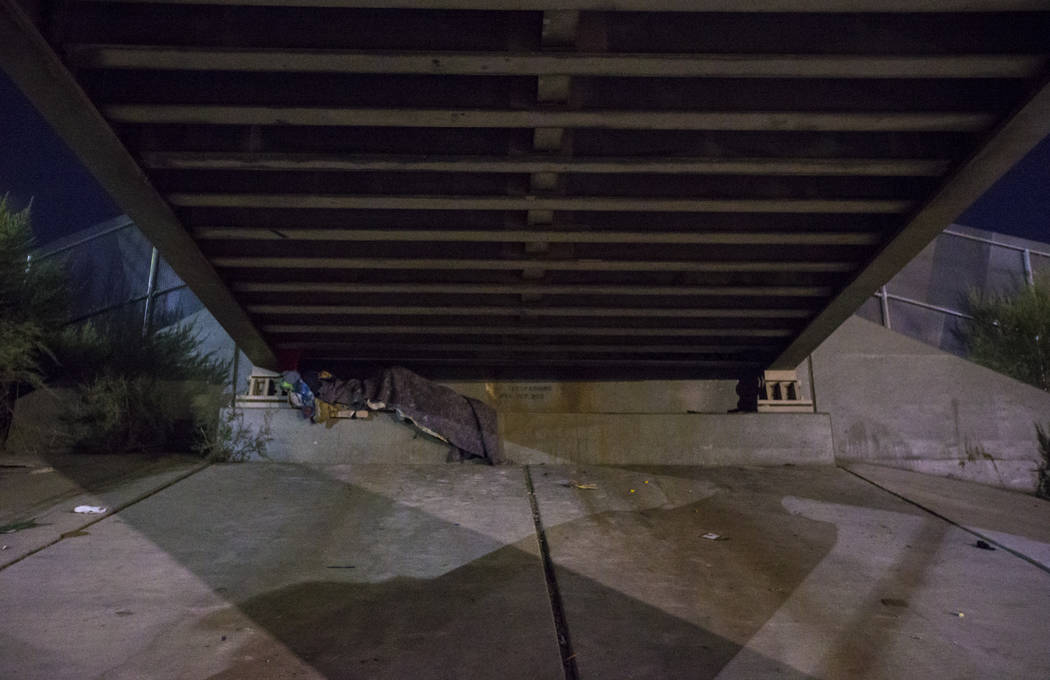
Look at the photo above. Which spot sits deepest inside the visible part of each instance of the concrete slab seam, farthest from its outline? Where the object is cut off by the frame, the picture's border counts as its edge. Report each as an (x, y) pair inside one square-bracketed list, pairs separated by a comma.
[(561, 626), (938, 515), (69, 494), (118, 508)]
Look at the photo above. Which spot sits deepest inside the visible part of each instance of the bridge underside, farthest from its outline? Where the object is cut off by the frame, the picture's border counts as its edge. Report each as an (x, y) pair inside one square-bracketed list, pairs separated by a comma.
[(557, 189)]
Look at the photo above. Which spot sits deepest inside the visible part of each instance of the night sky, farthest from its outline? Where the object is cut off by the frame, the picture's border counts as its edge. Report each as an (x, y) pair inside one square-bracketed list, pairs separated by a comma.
[(36, 165)]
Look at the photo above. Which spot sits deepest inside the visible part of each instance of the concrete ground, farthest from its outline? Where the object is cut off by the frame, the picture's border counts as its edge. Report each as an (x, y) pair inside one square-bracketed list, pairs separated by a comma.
[(435, 571)]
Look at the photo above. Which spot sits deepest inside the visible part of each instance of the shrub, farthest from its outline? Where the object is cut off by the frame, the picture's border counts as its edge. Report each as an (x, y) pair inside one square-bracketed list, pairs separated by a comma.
[(123, 375), (229, 439), (132, 383), (117, 345), (1043, 485), (121, 413), (1011, 333), (33, 304)]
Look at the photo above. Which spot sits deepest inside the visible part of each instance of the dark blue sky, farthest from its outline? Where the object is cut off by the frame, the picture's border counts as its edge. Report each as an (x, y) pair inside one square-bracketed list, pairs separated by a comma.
[(35, 164), (1019, 203)]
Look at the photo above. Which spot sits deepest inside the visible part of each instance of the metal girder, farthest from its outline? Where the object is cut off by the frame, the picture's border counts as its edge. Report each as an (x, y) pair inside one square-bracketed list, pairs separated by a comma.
[(537, 312), (817, 121), (906, 6), (344, 173), (250, 261), (1028, 126), (541, 202), (838, 238), (327, 329), (883, 167), (438, 347), (678, 364), (33, 66), (472, 289), (573, 64)]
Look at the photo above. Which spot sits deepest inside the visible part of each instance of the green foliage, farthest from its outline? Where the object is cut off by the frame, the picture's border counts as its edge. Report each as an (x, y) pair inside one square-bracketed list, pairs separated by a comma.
[(121, 413), (1011, 333), (132, 385), (21, 345), (33, 303), (116, 346), (1043, 488), (30, 292), (230, 439)]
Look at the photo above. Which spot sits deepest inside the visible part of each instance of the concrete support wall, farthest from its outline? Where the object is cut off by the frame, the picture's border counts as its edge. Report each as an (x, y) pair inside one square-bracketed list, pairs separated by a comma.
[(667, 439), (584, 438), (380, 439), (617, 423), (644, 396), (899, 402), (881, 398)]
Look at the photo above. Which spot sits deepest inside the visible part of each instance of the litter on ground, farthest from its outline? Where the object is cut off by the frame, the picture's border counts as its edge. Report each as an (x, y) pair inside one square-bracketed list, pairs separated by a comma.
[(90, 509)]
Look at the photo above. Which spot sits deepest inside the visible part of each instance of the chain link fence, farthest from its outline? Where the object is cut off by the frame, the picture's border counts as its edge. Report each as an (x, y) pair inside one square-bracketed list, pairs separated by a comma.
[(927, 300), (115, 272)]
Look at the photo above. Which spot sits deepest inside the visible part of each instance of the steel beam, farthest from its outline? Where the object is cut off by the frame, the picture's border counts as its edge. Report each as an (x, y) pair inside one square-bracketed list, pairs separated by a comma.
[(542, 202), (813, 121), (819, 6), (882, 167), (843, 238), (539, 312), (648, 364), (439, 347), (593, 265), (770, 121), (569, 64), (473, 289), (330, 329), (1008, 144)]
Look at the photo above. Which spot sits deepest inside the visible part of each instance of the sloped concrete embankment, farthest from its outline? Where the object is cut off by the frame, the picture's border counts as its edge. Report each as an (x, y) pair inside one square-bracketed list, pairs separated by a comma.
[(898, 402)]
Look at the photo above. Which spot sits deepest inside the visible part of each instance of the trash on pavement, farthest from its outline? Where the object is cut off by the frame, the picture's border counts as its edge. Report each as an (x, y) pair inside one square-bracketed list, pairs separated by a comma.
[(90, 509), (573, 484), (711, 536), (40, 471)]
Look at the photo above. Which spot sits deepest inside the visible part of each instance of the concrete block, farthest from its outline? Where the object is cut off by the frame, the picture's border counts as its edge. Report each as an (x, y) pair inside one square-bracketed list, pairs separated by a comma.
[(531, 438), (381, 439), (642, 396), (667, 439)]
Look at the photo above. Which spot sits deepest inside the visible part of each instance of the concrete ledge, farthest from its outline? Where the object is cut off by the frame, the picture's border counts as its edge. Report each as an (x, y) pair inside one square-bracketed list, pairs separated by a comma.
[(380, 439), (667, 439), (586, 438)]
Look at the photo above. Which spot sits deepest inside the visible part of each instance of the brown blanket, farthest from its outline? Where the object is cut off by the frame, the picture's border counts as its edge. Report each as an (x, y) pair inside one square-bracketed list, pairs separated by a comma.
[(466, 423)]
